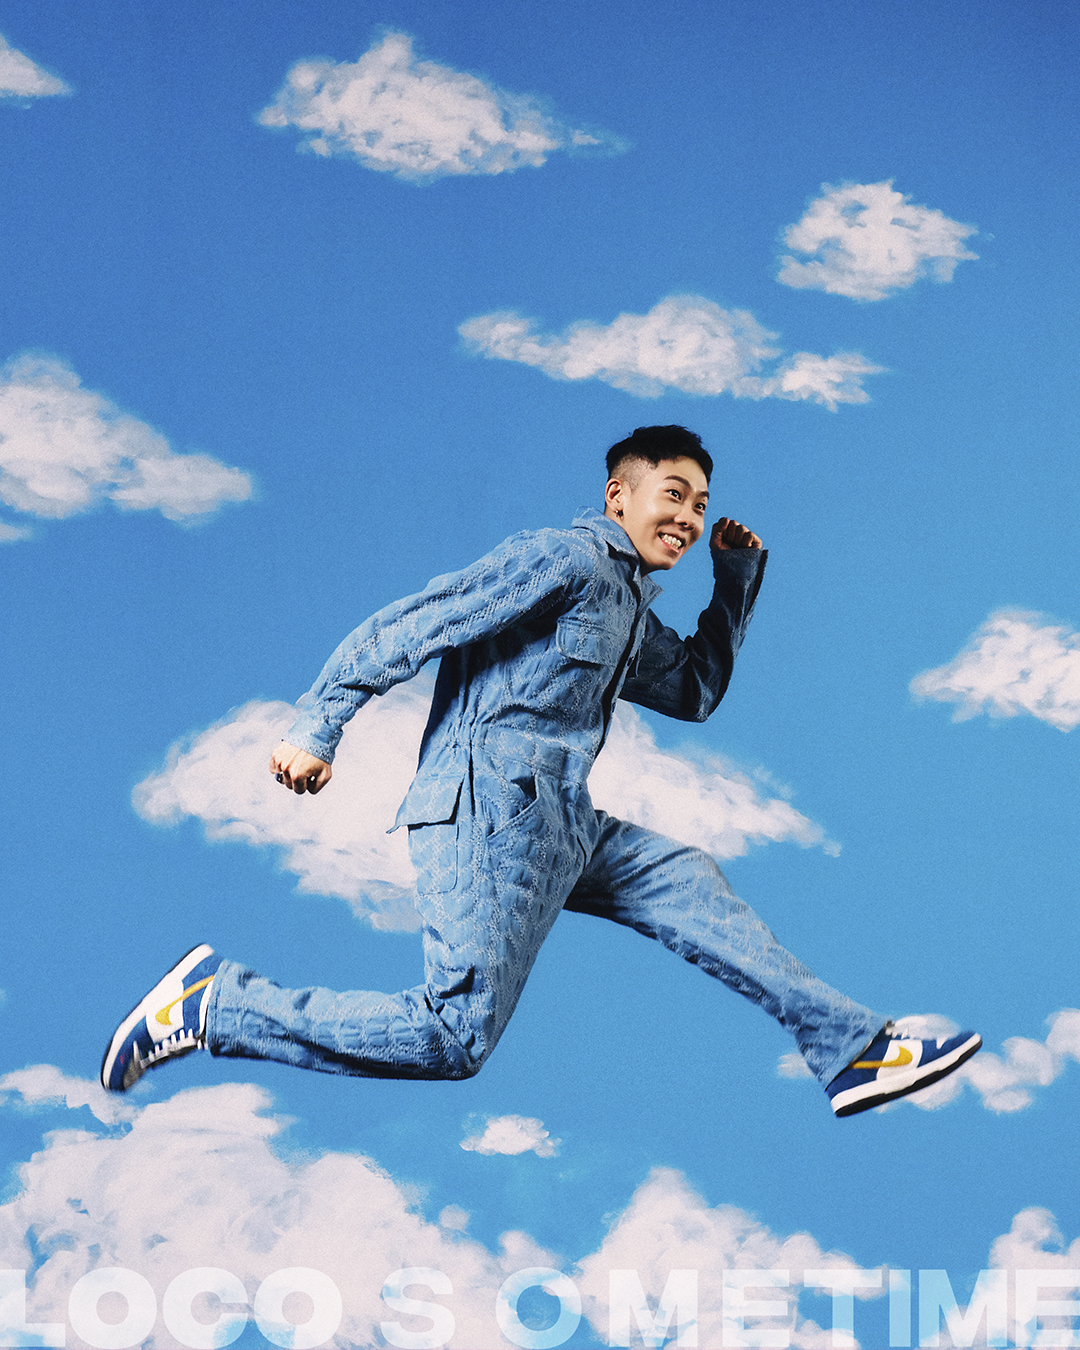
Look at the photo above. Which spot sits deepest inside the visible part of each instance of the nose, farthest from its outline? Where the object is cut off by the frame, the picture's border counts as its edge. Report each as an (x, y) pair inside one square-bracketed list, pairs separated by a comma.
[(688, 518)]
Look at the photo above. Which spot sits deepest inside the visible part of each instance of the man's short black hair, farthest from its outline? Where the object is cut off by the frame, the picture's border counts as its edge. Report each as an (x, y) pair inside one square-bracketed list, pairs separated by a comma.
[(653, 444)]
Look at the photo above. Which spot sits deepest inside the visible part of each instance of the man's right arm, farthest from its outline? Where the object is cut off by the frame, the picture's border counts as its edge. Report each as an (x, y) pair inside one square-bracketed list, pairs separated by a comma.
[(524, 575)]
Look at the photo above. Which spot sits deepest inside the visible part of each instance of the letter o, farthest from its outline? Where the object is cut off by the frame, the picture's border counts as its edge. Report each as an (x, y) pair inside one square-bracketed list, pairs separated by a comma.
[(552, 1282), (270, 1300), (176, 1308), (83, 1308)]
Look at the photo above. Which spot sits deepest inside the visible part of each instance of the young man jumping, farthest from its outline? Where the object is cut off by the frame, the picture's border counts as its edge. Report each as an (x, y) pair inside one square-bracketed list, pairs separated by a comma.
[(536, 640)]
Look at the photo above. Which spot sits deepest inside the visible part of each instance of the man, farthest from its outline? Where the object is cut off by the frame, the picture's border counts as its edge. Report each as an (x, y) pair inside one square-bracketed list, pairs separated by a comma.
[(536, 640)]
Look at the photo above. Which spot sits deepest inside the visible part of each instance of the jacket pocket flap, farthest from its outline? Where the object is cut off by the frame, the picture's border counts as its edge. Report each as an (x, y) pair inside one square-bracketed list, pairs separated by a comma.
[(430, 801), (583, 641)]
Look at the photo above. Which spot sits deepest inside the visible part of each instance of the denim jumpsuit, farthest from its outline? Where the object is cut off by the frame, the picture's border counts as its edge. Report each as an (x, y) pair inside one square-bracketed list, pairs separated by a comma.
[(537, 640)]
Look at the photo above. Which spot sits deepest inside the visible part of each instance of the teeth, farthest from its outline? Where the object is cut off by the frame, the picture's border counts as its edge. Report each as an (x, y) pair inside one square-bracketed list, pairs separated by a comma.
[(673, 540)]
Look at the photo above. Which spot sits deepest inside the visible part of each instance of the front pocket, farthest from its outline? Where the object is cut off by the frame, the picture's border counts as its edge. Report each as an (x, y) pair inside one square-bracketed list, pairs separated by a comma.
[(430, 810), (430, 801), (434, 853), (520, 819)]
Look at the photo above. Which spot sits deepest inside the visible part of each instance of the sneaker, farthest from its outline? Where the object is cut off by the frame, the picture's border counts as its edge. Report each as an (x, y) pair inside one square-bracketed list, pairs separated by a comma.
[(893, 1065), (169, 1021)]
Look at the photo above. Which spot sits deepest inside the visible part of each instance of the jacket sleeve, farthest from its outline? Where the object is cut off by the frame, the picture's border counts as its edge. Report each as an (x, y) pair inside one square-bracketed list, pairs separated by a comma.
[(525, 575), (687, 677)]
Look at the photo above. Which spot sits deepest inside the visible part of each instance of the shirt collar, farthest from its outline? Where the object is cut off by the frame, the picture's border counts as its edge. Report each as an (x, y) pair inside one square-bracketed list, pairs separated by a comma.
[(613, 534)]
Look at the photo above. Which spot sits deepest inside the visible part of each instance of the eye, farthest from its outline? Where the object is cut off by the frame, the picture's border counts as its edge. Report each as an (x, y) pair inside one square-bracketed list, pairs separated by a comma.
[(676, 494), (700, 508)]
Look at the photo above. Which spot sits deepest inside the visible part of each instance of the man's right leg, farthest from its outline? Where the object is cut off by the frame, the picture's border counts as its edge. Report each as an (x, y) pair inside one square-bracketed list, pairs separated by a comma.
[(677, 895)]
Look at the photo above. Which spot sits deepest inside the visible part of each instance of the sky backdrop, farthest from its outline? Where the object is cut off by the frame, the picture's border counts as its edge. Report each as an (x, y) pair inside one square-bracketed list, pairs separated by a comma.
[(305, 303)]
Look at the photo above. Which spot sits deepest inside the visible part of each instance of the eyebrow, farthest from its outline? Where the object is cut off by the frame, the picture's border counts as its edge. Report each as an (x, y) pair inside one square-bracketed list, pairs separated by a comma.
[(677, 478)]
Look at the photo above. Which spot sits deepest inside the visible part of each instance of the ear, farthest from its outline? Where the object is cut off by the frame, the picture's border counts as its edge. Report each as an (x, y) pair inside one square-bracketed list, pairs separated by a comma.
[(614, 497)]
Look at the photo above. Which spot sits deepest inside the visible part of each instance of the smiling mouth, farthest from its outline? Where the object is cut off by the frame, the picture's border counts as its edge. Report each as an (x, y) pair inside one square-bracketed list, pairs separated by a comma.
[(674, 541)]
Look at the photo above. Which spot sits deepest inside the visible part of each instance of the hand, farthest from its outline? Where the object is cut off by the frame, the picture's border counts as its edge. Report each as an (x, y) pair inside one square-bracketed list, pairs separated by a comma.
[(298, 770), (730, 534)]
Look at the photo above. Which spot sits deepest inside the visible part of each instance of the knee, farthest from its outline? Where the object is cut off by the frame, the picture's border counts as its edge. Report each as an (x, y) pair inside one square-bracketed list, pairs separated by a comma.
[(463, 1049), (461, 1061), (465, 1068)]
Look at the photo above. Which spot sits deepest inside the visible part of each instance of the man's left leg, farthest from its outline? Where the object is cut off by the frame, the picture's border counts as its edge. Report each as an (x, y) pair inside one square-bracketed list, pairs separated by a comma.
[(490, 884)]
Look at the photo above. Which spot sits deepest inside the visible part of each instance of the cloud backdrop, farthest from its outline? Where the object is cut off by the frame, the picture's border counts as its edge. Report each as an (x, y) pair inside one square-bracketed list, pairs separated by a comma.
[(1013, 664), (338, 843), (22, 78), (417, 119), (65, 449), (867, 241), (684, 342)]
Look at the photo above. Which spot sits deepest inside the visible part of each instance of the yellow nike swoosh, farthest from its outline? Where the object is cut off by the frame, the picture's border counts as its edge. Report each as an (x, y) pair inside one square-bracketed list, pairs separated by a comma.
[(163, 1015), (902, 1057)]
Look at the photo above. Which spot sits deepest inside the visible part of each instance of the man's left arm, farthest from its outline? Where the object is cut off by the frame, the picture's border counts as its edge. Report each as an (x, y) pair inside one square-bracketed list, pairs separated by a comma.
[(687, 677)]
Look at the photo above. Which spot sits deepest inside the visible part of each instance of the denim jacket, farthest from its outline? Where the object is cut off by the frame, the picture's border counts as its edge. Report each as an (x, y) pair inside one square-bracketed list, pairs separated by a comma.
[(537, 640)]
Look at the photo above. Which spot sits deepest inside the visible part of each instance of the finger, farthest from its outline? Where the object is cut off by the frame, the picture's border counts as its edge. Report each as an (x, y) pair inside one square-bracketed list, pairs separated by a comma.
[(738, 536)]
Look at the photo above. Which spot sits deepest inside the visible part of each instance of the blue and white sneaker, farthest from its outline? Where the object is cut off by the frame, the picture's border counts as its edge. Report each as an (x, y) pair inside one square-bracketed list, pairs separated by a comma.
[(893, 1065), (170, 1021)]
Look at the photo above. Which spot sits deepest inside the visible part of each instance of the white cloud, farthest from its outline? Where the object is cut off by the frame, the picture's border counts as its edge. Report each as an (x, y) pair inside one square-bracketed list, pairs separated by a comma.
[(700, 800), (45, 1083), (1013, 664), (668, 1227), (21, 78), (829, 380), (1025, 1247), (684, 342), (417, 119), (792, 1065), (513, 1135), (454, 1219), (865, 240), (63, 449), (1003, 1082), (222, 1197), (337, 842)]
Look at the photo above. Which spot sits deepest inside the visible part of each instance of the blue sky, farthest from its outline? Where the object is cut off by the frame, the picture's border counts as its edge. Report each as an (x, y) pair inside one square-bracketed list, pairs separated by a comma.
[(278, 352)]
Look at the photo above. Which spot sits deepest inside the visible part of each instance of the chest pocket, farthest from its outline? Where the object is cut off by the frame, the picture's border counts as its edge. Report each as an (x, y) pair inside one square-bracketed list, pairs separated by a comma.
[(587, 642)]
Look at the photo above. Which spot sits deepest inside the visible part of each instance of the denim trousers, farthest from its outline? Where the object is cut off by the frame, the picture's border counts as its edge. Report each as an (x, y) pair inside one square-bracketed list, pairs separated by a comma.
[(520, 847)]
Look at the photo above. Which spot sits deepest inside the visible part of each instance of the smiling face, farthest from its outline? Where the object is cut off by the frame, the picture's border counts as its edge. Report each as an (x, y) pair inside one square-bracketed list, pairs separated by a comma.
[(661, 508)]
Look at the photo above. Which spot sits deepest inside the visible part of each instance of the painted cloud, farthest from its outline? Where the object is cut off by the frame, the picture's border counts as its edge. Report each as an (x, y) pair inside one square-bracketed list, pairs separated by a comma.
[(65, 449), (684, 342), (338, 844), (1013, 664), (417, 119), (867, 241)]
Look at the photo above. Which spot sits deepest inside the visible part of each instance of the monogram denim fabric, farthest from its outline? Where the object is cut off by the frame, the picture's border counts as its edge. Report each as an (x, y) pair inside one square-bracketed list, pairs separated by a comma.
[(536, 641)]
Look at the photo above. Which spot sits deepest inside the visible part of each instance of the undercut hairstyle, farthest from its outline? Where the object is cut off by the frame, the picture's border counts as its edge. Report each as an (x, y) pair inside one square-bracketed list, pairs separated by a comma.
[(652, 445)]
